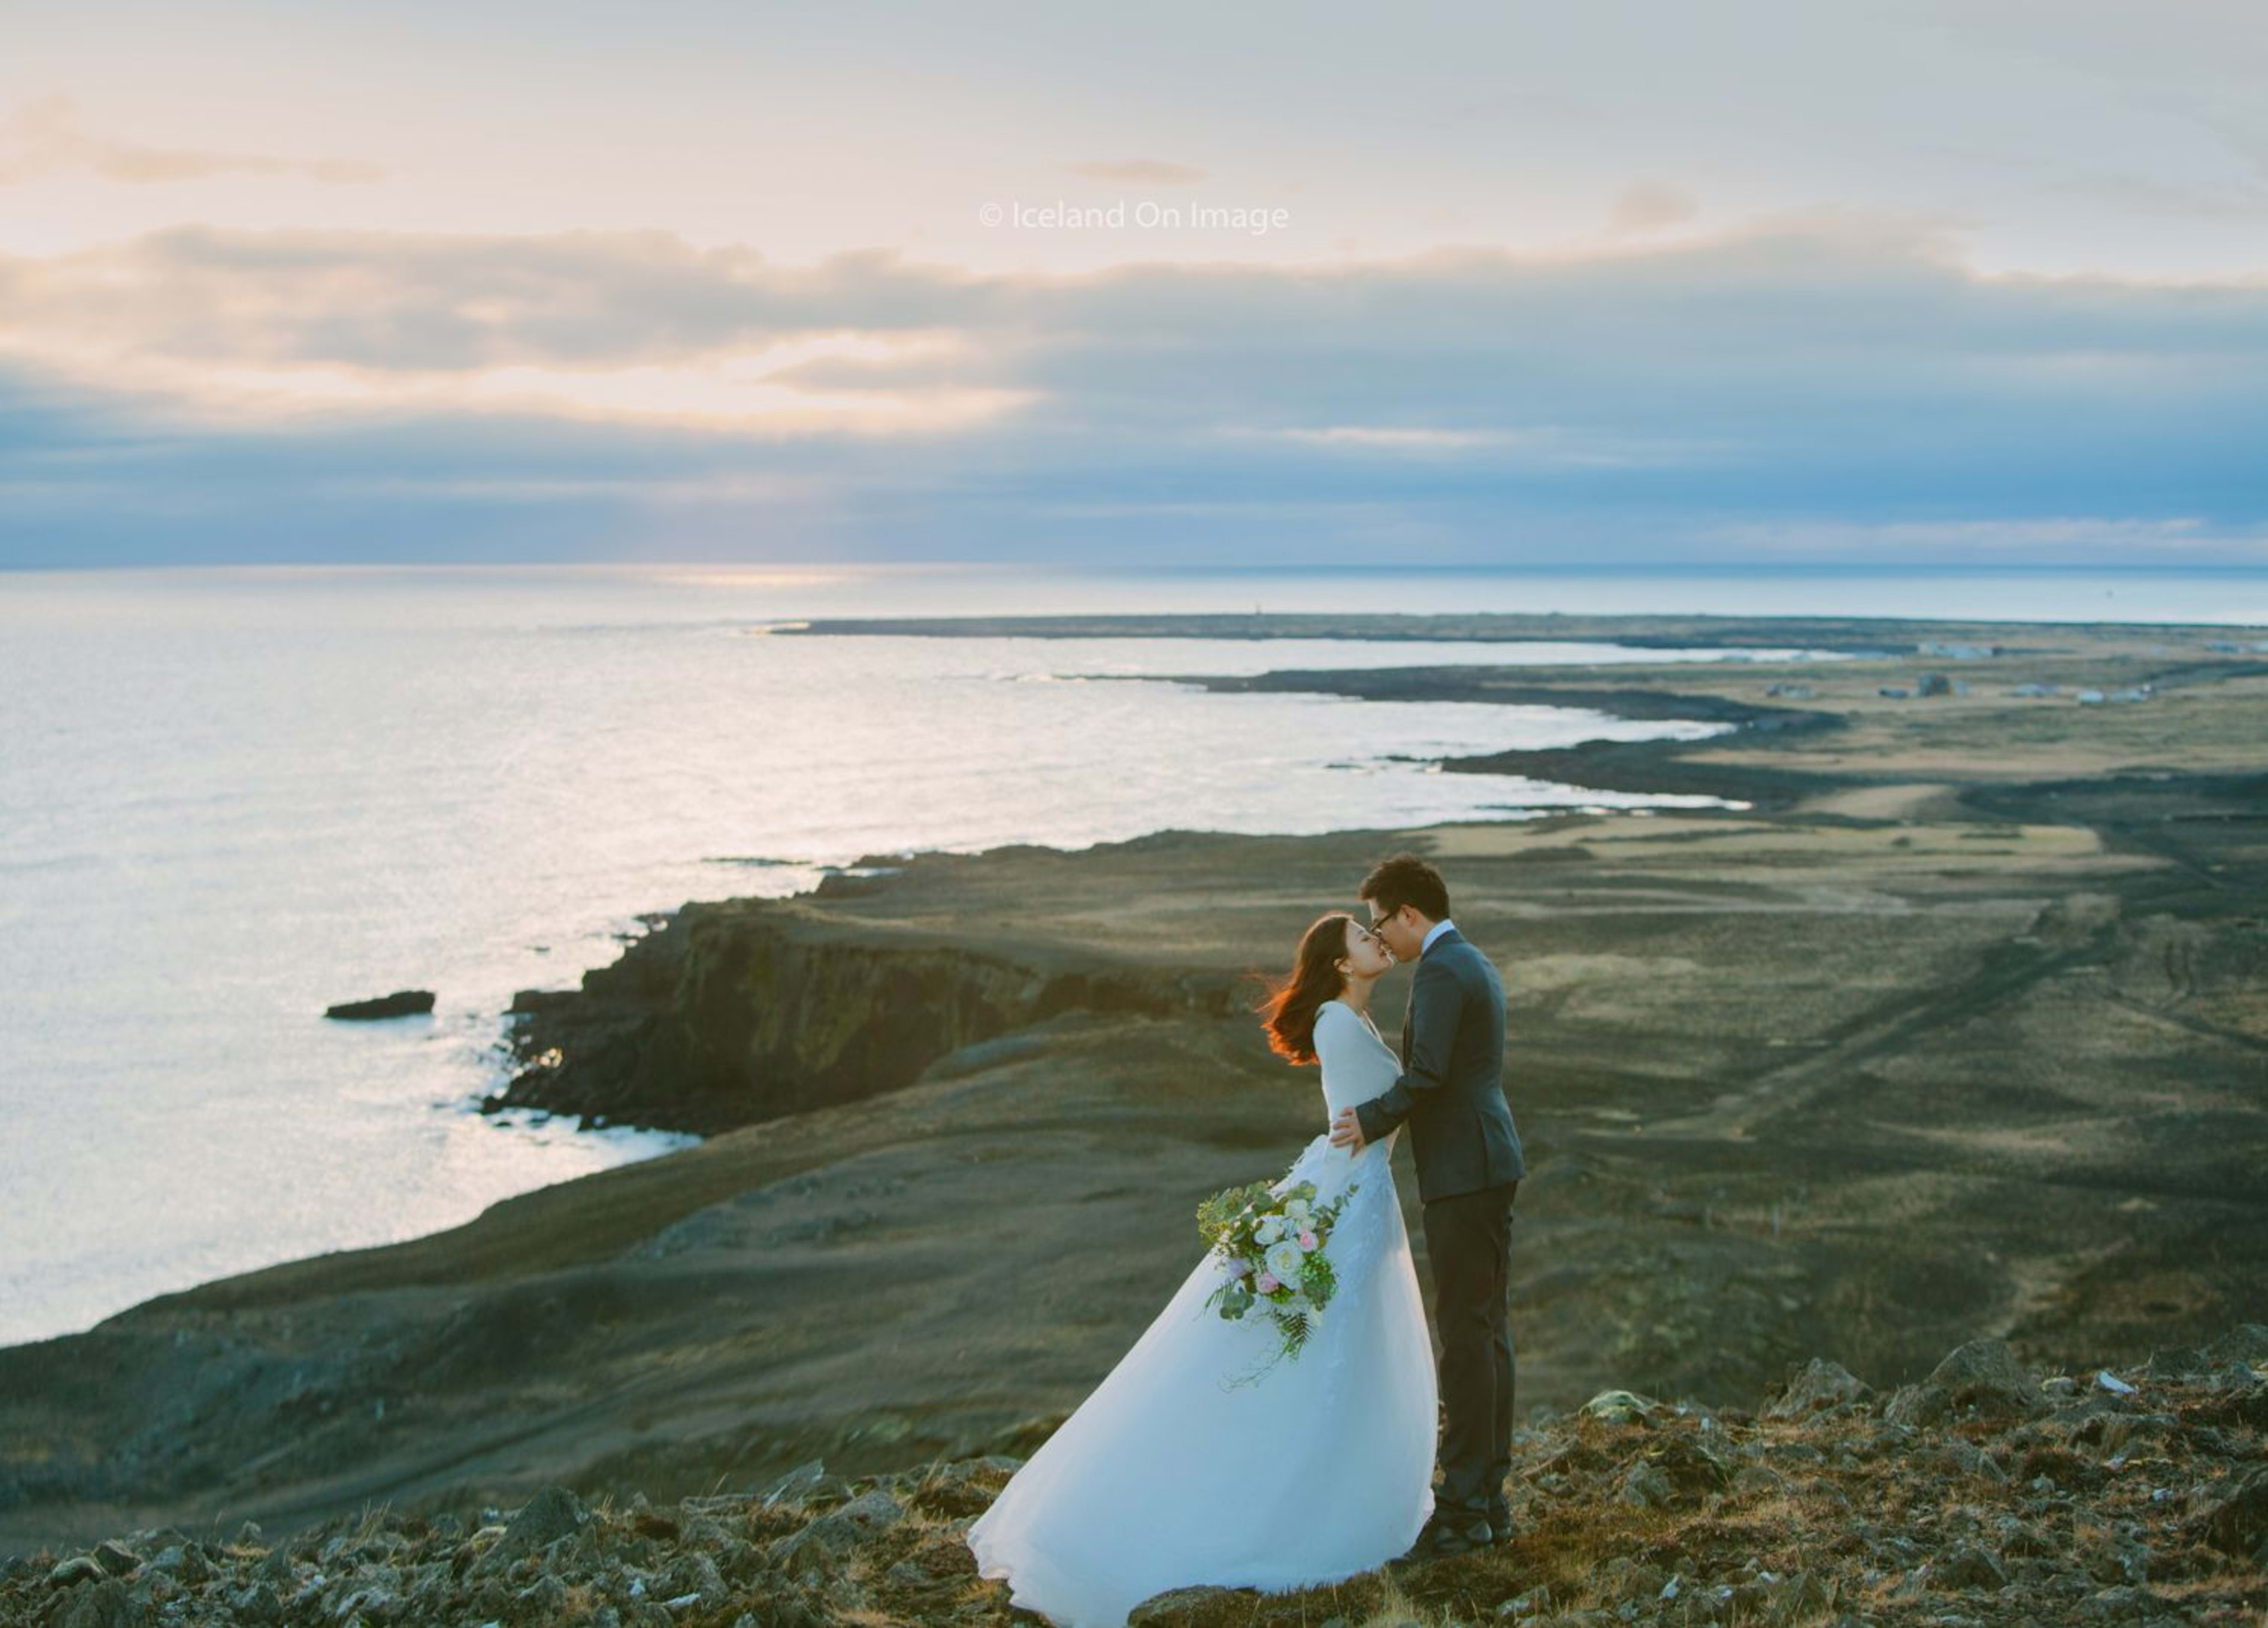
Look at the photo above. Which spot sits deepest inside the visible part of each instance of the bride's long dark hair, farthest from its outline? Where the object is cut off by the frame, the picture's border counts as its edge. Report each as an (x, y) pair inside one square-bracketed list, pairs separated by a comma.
[(1289, 1011)]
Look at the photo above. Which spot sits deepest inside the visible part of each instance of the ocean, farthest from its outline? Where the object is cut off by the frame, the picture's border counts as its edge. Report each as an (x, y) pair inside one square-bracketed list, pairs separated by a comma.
[(231, 797)]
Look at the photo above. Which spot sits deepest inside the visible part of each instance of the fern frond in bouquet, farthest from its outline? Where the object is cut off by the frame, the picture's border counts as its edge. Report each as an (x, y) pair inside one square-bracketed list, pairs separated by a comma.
[(1271, 1246)]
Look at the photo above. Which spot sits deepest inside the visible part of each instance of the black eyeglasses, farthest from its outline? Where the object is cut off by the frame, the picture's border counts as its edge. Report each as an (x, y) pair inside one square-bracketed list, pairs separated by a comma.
[(1376, 921)]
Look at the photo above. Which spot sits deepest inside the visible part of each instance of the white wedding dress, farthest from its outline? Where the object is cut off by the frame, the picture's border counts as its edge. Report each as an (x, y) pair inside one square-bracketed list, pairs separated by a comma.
[(1170, 1474)]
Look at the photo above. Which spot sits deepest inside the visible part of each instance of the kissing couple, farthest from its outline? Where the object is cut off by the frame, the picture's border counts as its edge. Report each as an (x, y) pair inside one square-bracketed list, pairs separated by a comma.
[(1170, 1474)]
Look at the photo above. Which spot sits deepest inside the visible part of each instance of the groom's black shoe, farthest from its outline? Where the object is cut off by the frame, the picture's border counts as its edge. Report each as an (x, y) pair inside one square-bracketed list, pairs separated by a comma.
[(1450, 1534), (1499, 1528)]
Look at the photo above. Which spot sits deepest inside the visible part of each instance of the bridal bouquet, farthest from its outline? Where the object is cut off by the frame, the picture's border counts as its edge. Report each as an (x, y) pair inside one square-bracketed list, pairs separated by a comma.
[(1272, 1245)]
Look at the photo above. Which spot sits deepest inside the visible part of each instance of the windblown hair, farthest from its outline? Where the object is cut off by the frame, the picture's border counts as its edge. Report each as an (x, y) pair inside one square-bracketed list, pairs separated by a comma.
[(1289, 1011), (1405, 878)]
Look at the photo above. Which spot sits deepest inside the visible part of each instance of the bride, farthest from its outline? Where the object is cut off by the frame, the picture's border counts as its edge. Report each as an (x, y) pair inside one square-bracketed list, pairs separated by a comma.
[(1171, 1473)]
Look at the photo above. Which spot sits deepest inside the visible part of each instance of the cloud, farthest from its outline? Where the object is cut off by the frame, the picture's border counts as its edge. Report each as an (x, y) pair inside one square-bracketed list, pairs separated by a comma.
[(2142, 195), (1648, 206), (45, 138), (406, 303), (232, 326), (1540, 445), (2050, 537), (1140, 172), (1823, 384)]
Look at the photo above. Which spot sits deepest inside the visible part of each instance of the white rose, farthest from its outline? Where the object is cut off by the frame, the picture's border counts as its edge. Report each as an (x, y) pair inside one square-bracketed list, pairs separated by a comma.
[(1270, 1230), (1297, 1209), (1285, 1261)]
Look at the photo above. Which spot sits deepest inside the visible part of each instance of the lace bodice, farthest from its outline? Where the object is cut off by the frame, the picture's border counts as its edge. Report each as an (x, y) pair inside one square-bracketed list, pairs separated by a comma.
[(1358, 1063)]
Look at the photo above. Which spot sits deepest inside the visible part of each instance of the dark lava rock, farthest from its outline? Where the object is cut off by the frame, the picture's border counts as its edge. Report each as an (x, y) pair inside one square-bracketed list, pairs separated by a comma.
[(1982, 1376), (2236, 1517), (839, 1532), (1967, 1567), (75, 1569), (2246, 1346), (1676, 1473), (116, 1559), (551, 1514), (797, 1483), (1820, 1385), (1175, 1604), (105, 1605), (259, 1604), (2118, 1605), (1621, 1407), (401, 1004)]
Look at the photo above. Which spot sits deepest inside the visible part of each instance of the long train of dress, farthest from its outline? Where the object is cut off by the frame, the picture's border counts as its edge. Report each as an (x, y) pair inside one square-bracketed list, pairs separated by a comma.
[(1172, 1473)]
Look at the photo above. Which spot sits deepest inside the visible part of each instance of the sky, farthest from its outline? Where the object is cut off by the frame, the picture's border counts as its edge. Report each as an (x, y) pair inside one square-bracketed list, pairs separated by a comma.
[(1874, 282)]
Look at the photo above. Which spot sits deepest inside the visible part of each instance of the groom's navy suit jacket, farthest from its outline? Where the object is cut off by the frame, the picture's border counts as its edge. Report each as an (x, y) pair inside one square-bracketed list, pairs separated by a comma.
[(1452, 1086)]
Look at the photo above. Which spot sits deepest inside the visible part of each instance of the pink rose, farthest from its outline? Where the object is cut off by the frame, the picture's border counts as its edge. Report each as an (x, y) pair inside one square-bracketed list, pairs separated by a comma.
[(1266, 1283), (1307, 1240)]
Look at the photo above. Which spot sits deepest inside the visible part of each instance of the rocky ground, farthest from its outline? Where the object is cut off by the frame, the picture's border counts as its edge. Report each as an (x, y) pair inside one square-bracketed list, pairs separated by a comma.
[(1985, 1492), (1960, 1029)]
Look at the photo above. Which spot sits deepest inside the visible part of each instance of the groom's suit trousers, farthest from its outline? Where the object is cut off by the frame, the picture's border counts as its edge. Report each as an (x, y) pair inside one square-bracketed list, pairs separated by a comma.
[(1468, 1248)]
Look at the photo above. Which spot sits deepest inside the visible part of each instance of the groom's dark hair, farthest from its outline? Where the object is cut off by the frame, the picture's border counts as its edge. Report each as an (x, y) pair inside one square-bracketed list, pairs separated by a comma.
[(1405, 878)]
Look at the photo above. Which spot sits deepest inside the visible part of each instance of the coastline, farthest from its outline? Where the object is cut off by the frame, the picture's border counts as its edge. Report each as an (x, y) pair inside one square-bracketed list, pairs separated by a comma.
[(1890, 635), (1989, 920)]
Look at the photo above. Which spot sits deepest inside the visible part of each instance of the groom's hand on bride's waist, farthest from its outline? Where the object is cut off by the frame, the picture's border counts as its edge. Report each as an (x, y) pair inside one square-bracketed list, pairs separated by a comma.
[(1346, 1131)]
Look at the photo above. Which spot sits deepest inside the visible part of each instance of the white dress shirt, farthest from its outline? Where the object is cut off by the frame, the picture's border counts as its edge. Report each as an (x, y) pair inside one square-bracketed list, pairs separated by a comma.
[(1434, 933)]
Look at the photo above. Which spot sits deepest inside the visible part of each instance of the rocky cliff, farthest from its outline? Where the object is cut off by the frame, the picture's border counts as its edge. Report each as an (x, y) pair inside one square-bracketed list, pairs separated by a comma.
[(735, 1012)]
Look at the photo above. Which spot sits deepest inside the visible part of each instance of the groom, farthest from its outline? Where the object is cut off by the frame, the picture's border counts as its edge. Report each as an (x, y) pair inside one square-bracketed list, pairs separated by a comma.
[(1469, 1168)]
